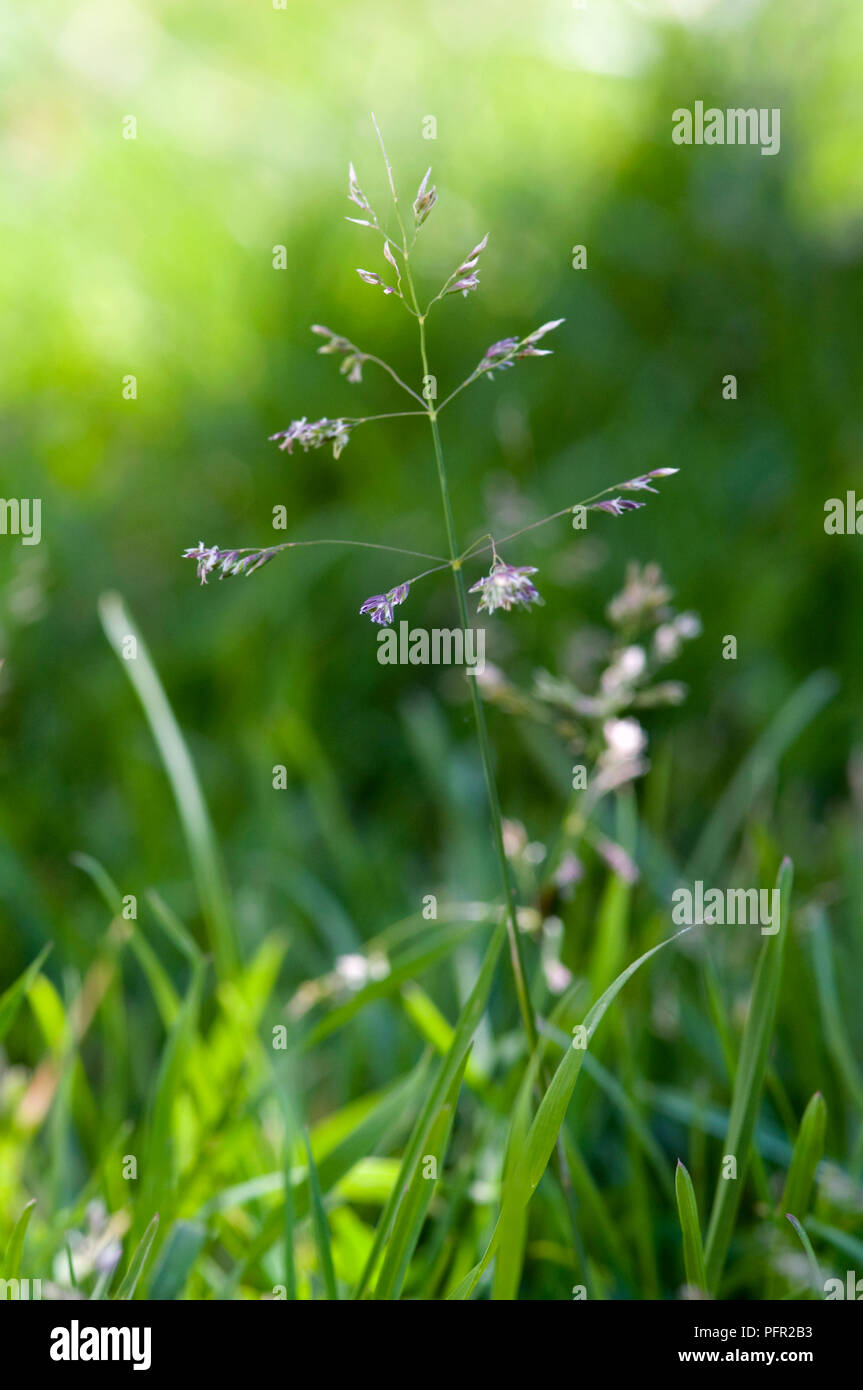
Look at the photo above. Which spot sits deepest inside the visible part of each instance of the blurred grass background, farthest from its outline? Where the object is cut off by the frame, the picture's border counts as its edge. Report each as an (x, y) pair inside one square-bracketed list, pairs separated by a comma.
[(154, 257)]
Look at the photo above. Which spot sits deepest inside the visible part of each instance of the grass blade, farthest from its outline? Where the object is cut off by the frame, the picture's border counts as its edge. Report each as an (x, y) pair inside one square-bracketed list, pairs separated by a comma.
[(687, 1210), (814, 1271), (13, 998), (831, 1013), (466, 1026), (321, 1227), (12, 1257), (163, 991), (138, 1260), (756, 769), (748, 1083), (808, 1151), (175, 1261), (415, 1205), (549, 1117), (195, 818)]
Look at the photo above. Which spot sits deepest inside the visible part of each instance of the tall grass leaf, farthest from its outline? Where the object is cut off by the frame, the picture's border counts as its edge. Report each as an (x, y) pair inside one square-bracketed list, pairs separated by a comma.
[(513, 1225), (436, 1029), (158, 1165), (814, 1272), (12, 999), (749, 1083), (554, 1104), (513, 1229), (542, 1136), (756, 769), (195, 819), (12, 1257), (389, 1117), (138, 1261), (831, 1013), (176, 1258), (415, 1203), (467, 1024), (173, 928), (687, 1210), (321, 1228), (840, 1240), (807, 1154), (164, 994)]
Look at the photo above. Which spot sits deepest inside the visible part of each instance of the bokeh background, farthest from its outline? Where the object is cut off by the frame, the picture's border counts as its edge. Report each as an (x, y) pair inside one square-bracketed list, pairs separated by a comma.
[(154, 257)]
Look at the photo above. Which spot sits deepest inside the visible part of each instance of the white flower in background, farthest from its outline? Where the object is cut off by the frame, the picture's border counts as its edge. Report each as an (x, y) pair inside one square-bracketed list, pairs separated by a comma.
[(625, 740), (355, 970), (625, 671)]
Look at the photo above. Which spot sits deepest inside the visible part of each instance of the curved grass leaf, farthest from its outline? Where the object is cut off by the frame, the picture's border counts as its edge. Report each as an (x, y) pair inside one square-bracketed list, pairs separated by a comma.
[(808, 1151), (195, 818), (176, 1258), (467, 1024), (687, 1210), (542, 1135), (320, 1225), (814, 1272), (749, 1083), (12, 999), (756, 769), (138, 1260), (415, 1204), (164, 994), (12, 1257), (835, 1031)]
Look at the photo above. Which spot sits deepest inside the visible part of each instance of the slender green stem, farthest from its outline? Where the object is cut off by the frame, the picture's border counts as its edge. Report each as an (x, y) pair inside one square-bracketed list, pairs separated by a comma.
[(467, 382), (516, 955)]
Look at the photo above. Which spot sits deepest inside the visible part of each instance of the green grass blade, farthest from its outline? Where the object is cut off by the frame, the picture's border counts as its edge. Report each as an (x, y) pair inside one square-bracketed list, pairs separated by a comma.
[(321, 1226), (158, 1174), (808, 1151), (756, 769), (513, 1227), (12, 1257), (381, 1125), (814, 1271), (748, 1083), (138, 1260), (840, 1240), (416, 1201), (12, 999), (167, 1000), (835, 1032), (173, 928), (549, 1117), (176, 1258), (467, 1024), (412, 963), (687, 1210), (195, 819), (436, 1029)]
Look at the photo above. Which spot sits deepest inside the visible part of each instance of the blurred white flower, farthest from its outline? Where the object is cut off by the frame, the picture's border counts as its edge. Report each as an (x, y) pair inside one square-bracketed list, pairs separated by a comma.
[(625, 740)]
